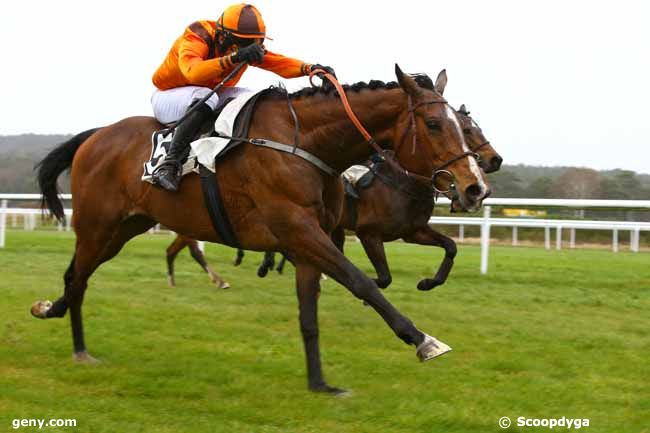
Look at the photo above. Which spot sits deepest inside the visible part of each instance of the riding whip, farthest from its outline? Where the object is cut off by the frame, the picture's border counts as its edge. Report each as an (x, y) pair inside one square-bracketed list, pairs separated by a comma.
[(206, 97)]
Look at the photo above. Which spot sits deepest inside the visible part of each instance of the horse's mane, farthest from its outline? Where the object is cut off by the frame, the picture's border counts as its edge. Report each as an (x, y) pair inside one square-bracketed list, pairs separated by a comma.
[(423, 80), (356, 87)]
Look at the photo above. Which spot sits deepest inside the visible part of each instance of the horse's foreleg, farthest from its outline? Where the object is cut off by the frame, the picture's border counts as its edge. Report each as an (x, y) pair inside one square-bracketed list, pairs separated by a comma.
[(239, 258), (308, 290), (199, 257), (428, 236), (374, 247), (315, 247)]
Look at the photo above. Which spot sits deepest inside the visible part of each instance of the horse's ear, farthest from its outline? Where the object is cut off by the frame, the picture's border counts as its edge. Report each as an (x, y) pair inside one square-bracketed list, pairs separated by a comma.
[(462, 109), (407, 83), (441, 82)]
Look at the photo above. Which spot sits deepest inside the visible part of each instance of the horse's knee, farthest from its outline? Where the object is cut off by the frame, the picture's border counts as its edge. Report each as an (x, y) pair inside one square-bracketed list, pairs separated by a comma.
[(450, 249)]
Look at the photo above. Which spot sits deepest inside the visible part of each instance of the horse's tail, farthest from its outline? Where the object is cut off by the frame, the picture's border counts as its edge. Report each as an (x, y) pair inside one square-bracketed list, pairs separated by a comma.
[(50, 167)]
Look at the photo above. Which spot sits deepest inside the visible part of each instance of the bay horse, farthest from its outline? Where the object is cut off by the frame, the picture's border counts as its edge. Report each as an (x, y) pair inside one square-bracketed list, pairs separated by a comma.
[(275, 201)]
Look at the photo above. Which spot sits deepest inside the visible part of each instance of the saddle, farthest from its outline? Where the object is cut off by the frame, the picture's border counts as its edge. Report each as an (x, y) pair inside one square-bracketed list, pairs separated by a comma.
[(360, 177)]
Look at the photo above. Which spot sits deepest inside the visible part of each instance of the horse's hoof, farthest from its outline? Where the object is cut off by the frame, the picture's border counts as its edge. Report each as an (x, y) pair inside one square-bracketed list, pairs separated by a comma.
[(40, 308), (323, 277), (171, 281), (382, 283), (262, 271), (325, 388), (431, 348), (222, 284), (428, 284), (84, 358)]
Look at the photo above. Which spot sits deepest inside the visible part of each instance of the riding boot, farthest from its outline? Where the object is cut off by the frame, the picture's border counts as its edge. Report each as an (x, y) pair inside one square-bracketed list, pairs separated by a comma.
[(168, 173)]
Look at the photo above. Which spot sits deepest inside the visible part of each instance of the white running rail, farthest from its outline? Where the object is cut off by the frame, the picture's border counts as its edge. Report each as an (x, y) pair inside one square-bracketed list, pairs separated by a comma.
[(486, 222)]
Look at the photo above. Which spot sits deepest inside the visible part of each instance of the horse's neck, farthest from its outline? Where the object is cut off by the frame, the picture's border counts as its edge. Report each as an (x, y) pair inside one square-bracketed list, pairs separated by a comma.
[(328, 132)]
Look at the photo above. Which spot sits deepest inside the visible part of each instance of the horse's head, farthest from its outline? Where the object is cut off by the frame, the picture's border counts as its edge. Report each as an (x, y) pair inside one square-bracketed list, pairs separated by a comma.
[(436, 145), (489, 160)]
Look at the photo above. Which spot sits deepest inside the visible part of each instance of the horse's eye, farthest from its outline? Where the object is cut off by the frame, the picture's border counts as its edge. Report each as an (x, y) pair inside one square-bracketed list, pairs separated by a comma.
[(467, 131), (433, 125)]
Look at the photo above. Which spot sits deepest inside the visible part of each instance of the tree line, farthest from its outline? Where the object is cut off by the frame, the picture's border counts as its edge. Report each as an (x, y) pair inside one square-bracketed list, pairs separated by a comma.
[(19, 154)]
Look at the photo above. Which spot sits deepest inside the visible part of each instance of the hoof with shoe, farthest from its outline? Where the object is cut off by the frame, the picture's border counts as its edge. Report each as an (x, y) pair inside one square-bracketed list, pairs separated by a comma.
[(171, 281), (431, 348), (40, 308), (84, 358), (222, 284)]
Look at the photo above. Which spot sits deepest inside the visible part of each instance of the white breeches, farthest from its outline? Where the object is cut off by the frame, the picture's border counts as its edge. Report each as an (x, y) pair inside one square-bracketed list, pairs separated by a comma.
[(170, 105)]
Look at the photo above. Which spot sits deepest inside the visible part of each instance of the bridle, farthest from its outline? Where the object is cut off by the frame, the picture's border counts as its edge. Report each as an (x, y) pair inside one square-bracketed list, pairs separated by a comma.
[(382, 152), (480, 145)]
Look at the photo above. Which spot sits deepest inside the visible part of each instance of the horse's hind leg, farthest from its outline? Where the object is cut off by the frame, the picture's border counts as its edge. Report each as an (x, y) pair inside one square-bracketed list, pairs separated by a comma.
[(197, 255), (94, 246)]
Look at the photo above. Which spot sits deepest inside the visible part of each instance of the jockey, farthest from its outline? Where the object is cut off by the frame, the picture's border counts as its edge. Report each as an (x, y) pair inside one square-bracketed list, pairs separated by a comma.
[(198, 61)]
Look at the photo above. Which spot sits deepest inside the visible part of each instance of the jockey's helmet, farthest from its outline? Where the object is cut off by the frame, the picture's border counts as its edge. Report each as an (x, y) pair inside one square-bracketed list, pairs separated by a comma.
[(243, 21)]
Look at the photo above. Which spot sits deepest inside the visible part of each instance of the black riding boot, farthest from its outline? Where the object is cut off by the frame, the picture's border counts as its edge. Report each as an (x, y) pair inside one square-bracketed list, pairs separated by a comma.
[(168, 173)]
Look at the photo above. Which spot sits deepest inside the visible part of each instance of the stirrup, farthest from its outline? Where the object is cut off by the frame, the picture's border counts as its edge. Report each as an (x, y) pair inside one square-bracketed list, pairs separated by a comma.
[(168, 175)]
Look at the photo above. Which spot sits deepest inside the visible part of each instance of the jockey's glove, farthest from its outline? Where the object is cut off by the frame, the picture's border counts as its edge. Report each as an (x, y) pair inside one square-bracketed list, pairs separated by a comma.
[(327, 69), (254, 53)]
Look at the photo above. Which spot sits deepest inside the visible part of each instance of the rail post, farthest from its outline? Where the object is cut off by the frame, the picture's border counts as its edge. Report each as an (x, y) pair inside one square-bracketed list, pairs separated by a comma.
[(485, 239), (3, 222)]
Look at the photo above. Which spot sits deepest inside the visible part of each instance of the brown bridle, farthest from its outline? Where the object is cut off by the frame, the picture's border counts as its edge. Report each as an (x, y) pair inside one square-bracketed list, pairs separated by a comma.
[(388, 158)]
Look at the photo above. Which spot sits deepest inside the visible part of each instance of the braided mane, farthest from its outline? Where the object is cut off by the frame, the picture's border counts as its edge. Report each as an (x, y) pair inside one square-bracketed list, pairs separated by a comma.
[(423, 80)]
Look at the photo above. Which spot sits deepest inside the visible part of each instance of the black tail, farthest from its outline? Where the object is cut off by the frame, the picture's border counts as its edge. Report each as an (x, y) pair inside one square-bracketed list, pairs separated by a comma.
[(52, 166)]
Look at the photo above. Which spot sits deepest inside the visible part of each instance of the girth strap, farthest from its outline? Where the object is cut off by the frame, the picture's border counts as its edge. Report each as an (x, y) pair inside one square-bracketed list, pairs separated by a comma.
[(313, 159), (294, 151), (216, 208)]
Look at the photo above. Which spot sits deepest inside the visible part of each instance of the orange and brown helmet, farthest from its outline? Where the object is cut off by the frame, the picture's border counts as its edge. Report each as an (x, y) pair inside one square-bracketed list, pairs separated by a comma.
[(242, 20)]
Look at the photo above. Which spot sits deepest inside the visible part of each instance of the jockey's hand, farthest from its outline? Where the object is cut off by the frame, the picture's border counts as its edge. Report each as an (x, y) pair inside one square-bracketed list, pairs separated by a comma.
[(254, 53), (327, 69)]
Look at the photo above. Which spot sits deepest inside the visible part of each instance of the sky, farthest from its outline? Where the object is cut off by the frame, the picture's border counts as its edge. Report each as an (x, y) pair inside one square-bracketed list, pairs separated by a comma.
[(549, 82)]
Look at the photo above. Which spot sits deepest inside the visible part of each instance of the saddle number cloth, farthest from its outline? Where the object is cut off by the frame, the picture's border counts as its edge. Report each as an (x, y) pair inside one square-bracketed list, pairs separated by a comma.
[(205, 149)]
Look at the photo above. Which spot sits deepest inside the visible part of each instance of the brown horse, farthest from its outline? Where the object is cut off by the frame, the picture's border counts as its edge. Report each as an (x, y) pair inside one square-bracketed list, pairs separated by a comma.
[(177, 246), (395, 207), (275, 201)]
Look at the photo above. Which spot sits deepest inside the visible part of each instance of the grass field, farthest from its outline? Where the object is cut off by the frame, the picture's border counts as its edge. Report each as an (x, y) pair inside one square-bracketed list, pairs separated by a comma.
[(544, 335)]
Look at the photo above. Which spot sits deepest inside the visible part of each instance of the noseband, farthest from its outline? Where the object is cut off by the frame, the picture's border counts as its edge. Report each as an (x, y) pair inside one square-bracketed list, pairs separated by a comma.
[(389, 159)]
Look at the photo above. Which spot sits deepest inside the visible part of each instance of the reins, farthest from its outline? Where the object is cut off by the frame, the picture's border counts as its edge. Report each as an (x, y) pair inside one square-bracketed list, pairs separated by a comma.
[(390, 160)]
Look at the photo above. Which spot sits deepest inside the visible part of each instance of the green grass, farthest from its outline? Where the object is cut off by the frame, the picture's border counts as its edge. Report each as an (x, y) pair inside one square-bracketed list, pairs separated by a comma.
[(546, 334)]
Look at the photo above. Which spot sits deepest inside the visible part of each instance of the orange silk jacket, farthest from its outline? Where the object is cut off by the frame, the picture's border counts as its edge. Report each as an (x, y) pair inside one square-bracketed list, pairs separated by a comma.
[(187, 63)]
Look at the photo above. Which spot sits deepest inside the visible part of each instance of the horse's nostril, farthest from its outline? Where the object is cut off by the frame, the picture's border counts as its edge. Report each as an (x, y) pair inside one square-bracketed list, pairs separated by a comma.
[(474, 192), (496, 162)]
